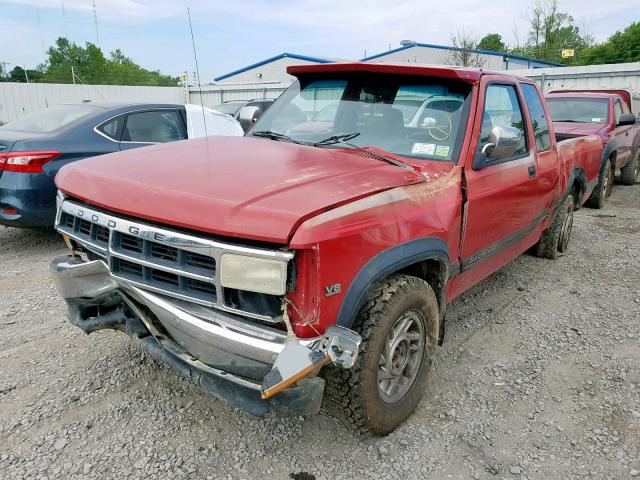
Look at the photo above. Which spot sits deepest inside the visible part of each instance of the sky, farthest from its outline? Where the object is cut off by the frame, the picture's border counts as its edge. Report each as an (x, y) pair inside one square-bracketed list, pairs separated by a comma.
[(230, 34)]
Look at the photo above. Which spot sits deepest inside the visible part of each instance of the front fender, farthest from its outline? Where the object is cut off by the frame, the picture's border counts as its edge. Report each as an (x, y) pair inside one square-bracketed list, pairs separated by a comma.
[(609, 148), (384, 264)]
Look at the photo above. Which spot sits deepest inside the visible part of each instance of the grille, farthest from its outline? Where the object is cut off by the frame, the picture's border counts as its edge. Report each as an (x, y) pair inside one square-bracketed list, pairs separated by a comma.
[(164, 261)]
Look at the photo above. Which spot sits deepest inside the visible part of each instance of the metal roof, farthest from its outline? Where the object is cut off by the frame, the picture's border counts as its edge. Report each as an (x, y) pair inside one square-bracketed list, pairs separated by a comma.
[(443, 47), (273, 59)]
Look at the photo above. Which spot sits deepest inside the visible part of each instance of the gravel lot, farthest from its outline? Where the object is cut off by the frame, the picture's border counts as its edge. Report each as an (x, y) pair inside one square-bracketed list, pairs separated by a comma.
[(539, 378)]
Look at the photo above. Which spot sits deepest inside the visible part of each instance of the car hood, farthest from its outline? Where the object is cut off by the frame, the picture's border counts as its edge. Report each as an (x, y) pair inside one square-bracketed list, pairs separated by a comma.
[(580, 129), (238, 187)]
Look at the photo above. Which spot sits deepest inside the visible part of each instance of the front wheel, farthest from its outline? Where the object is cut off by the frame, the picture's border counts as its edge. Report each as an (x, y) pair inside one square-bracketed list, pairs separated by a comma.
[(399, 325), (630, 173), (604, 187)]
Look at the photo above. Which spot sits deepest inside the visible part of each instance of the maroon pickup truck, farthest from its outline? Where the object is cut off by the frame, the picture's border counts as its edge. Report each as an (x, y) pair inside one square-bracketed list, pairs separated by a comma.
[(610, 115), (315, 257)]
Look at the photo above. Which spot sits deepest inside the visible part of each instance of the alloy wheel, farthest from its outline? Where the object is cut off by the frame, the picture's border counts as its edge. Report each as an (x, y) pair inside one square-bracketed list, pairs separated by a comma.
[(401, 357)]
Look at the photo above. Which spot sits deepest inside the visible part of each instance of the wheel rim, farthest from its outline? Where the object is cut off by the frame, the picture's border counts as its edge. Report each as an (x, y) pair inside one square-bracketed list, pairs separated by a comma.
[(401, 357), (565, 231)]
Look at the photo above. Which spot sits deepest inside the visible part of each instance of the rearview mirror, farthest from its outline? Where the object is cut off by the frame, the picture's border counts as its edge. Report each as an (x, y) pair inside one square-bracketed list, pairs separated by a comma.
[(626, 119), (248, 115)]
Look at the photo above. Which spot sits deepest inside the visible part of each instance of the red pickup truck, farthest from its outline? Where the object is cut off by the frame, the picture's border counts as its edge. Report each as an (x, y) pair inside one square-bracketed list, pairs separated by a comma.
[(316, 258), (610, 114)]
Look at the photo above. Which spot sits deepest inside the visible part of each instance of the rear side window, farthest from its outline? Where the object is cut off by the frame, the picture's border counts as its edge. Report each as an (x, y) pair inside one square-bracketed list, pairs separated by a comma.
[(502, 109), (54, 118), (539, 121), (112, 128), (154, 127)]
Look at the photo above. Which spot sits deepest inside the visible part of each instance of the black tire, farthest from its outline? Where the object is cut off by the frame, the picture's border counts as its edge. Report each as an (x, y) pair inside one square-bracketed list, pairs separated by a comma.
[(630, 173), (603, 189), (555, 239), (354, 396)]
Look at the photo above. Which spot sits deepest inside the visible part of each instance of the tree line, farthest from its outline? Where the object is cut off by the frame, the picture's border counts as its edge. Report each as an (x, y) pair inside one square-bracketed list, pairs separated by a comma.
[(551, 32), (68, 62)]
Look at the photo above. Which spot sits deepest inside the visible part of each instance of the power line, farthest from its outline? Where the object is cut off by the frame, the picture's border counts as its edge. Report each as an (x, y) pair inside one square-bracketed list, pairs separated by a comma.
[(95, 21)]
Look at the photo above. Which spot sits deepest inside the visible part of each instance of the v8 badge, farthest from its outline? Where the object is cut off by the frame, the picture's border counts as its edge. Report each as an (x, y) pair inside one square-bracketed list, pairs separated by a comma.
[(333, 289)]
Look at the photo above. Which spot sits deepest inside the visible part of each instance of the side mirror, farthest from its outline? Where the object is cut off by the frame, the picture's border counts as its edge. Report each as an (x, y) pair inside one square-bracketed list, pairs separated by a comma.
[(503, 142), (248, 115), (627, 119)]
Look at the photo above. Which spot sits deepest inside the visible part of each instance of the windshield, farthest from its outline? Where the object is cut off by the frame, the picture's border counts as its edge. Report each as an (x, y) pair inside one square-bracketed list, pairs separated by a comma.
[(390, 112), (45, 121), (581, 110), (230, 108)]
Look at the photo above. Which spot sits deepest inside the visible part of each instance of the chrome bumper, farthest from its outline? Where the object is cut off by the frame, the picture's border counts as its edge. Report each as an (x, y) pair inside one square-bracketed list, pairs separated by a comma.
[(226, 355)]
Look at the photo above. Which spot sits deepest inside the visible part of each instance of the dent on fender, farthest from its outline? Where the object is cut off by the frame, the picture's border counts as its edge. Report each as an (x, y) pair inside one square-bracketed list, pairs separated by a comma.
[(430, 199), (403, 224)]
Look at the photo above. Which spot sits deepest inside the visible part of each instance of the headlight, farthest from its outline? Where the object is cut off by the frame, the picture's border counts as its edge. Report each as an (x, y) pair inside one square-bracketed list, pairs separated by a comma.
[(253, 274)]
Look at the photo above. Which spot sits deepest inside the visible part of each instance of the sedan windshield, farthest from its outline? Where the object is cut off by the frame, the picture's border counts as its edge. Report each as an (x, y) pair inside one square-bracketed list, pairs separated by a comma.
[(51, 119), (392, 113), (579, 110)]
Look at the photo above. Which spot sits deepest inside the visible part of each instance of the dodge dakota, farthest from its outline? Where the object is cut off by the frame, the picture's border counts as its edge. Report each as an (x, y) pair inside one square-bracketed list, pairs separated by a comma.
[(608, 114), (314, 259)]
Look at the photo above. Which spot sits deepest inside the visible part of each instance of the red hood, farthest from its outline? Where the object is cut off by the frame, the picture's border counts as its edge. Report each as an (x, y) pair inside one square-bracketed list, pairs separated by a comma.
[(580, 129), (240, 187)]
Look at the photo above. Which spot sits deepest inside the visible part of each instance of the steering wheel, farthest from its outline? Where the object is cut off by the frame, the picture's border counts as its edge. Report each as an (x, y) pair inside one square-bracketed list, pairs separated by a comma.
[(438, 125)]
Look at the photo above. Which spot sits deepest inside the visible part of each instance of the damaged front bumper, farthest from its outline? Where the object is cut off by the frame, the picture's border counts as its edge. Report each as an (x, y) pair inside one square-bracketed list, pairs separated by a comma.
[(227, 355)]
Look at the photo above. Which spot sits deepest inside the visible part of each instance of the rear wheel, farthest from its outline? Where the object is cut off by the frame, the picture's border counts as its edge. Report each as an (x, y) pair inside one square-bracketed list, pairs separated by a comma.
[(603, 189), (399, 325), (630, 173), (555, 238)]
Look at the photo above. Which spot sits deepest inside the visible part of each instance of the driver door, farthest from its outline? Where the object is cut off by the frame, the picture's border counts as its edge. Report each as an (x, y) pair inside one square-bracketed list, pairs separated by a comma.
[(502, 193)]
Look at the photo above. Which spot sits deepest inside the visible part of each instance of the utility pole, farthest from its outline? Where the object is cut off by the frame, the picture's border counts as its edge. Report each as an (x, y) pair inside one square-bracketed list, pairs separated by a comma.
[(73, 75)]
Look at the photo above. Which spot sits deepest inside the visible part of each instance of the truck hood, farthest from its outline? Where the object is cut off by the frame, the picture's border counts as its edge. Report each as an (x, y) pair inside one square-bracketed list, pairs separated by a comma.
[(238, 187), (580, 129)]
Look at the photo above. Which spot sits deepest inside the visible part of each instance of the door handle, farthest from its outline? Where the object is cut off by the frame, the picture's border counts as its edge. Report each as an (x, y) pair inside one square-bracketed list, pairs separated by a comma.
[(532, 171)]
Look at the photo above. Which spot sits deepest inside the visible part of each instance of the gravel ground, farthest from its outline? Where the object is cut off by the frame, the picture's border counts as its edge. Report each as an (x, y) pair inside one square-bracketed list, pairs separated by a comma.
[(539, 378)]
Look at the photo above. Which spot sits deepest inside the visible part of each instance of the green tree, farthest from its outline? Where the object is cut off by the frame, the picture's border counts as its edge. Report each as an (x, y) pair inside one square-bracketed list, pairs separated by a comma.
[(68, 63), (551, 31), (19, 74), (493, 42), (620, 47)]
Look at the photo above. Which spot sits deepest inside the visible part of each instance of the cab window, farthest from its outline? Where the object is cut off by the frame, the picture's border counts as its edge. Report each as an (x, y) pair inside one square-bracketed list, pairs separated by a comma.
[(539, 121), (502, 109), (618, 111)]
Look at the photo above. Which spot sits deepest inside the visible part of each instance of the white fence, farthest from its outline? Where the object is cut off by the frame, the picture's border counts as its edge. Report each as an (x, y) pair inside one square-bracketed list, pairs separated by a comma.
[(619, 75), (18, 99)]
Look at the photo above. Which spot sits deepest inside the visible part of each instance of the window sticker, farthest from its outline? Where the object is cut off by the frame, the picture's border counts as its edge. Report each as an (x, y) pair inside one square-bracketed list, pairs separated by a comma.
[(596, 120), (442, 151), (423, 149)]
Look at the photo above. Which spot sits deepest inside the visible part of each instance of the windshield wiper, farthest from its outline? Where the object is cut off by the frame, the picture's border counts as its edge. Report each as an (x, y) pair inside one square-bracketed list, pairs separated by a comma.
[(343, 140), (567, 120), (336, 139), (275, 136)]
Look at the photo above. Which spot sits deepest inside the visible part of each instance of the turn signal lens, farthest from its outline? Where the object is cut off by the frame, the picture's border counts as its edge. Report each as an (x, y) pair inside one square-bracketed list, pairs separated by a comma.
[(26, 162)]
